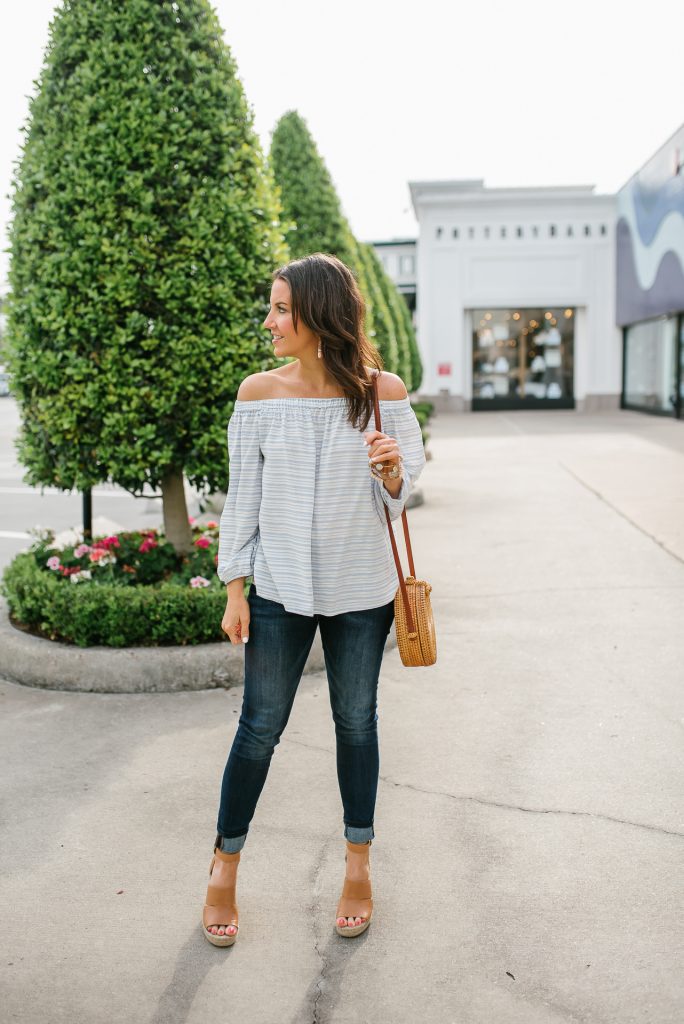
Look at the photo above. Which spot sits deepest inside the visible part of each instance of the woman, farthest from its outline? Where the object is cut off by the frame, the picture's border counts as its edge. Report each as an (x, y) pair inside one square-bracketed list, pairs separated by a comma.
[(304, 515)]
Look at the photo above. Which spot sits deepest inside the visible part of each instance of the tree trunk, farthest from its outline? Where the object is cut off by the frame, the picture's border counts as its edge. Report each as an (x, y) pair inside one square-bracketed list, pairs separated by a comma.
[(88, 515), (176, 525)]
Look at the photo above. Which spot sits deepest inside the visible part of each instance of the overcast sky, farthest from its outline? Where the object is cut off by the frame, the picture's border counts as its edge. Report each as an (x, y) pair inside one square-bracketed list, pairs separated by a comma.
[(528, 93)]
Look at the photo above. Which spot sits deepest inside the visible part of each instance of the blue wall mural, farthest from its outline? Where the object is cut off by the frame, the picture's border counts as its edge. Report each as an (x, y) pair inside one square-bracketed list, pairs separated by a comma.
[(650, 237)]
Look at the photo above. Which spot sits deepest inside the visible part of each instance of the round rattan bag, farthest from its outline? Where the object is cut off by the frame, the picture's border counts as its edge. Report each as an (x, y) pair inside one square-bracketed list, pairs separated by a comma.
[(418, 647)]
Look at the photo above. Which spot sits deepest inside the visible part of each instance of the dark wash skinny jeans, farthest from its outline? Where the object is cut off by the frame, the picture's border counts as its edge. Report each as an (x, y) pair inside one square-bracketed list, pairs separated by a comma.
[(279, 644)]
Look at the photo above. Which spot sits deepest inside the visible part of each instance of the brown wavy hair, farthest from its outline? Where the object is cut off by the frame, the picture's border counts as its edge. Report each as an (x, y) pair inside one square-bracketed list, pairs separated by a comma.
[(326, 296)]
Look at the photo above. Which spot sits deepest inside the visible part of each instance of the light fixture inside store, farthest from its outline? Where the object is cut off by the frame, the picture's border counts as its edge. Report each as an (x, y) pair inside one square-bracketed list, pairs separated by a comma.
[(568, 313), (554, 322), (547, 316), (516, 316), (488, 316)]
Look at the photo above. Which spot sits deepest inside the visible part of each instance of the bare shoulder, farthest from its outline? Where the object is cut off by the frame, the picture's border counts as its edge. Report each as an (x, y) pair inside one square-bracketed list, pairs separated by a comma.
[(257, 386), (391, 388)]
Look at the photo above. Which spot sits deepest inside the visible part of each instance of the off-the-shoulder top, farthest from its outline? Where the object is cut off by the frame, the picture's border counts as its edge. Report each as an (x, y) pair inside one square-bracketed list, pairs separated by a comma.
[(303, 515)]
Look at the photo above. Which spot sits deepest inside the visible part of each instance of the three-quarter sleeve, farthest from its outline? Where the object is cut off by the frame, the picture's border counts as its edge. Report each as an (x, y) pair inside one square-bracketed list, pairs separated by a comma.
[(400, 422), (239, 526)]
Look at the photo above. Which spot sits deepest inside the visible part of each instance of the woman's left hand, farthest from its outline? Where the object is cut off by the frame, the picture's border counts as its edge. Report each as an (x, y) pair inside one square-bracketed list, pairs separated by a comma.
[(384, 455)]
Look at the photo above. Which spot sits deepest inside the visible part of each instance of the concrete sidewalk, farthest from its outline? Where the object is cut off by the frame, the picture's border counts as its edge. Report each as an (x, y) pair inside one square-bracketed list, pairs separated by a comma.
[(527, 865)]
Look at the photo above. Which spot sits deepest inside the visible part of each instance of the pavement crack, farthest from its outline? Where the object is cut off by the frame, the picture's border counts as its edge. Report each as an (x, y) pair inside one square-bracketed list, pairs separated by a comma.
[(507, 806), (317, 984), (530, 810), (619, 512), (309, 746)]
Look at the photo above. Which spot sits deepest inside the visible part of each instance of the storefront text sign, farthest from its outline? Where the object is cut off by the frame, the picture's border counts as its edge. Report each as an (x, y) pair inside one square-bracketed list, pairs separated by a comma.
[(444, 369)]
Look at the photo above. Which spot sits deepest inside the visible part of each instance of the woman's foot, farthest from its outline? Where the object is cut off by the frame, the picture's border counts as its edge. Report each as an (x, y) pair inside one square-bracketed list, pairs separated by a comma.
[(357, 871), (224, 873), (220, 914)]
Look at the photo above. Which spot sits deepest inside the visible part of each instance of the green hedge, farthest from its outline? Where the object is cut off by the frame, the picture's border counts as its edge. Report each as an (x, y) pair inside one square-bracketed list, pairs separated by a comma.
[(108, 614), (423, 411)]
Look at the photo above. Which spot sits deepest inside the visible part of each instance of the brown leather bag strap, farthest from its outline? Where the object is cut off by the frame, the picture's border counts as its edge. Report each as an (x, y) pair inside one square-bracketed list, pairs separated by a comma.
[(395, 551)]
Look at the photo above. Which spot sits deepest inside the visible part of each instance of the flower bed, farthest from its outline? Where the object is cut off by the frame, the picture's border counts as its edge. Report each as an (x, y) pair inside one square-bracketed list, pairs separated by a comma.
[(127, 589)]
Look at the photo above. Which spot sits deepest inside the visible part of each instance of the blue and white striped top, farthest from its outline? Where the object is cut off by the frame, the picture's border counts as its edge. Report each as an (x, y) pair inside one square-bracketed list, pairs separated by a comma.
[(303, 515)]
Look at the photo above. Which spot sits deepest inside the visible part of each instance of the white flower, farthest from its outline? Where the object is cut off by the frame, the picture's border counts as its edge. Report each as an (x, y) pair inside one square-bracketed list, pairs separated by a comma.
[(84, 574)]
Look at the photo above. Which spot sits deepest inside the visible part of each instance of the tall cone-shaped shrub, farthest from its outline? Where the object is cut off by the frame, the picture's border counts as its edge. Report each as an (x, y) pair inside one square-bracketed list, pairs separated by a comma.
[(145, 230), (310, 202), (414, 351), (385, 334), (409, 364)]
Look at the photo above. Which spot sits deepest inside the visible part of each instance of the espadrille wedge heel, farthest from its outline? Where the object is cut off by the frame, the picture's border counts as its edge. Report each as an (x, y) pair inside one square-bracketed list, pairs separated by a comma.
[(356, 899), (220, 908)]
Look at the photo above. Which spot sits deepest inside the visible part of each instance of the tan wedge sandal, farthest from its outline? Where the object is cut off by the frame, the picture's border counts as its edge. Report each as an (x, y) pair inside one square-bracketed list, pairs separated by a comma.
[(356, 899), (220, 907)]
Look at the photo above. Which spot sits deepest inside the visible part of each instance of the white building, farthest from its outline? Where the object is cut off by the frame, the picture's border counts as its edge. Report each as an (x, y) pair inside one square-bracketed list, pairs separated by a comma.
[(515, 296), (398, 257)]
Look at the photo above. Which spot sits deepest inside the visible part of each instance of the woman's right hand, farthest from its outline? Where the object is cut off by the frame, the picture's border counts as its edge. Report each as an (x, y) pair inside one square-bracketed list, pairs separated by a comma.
[(235, 622)]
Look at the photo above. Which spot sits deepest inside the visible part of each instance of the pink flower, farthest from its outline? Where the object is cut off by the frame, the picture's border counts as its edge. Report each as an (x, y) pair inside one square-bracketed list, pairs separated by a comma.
[(81, 550), (212, 525), (191, 519), (110, 542), (97, 553), (148, 544), (54, 563), (202, 542), (199, 581)]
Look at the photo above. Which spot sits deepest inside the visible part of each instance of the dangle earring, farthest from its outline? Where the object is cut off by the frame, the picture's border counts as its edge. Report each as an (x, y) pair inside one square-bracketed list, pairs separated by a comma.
[(319, 349)]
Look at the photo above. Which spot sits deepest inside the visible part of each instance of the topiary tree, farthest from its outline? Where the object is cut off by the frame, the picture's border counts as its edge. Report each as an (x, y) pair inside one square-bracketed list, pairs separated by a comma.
[(414, 351), (308, 196), (385, 334), (395, 301), (144, 233), (310, 202)]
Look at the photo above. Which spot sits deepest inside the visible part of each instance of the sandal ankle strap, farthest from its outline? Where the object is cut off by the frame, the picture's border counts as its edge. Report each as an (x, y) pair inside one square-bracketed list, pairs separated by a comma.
[(358, 847), (226, 856)]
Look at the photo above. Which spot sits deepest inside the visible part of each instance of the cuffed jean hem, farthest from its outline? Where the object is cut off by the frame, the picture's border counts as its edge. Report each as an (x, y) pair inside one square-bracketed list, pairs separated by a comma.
[(358, 835), (232, 844)]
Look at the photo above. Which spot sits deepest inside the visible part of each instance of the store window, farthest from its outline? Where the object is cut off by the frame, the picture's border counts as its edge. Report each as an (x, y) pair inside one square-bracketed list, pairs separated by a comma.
[(651, 365), (523, 357), (406, 265)]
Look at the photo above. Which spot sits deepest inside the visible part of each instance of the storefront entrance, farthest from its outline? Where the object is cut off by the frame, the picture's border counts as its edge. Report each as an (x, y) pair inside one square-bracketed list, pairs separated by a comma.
[(653, 366), (523, 358)]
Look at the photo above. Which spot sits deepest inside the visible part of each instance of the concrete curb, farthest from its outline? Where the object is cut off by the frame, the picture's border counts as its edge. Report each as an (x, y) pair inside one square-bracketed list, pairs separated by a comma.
[(34, 661)]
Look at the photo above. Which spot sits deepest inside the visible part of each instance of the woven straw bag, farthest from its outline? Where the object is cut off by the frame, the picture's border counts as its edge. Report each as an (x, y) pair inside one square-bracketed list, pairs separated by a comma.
[(413, 619)]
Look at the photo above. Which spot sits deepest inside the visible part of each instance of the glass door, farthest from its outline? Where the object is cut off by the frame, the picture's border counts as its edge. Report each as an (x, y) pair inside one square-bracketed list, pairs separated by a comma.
[(523, 358)]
